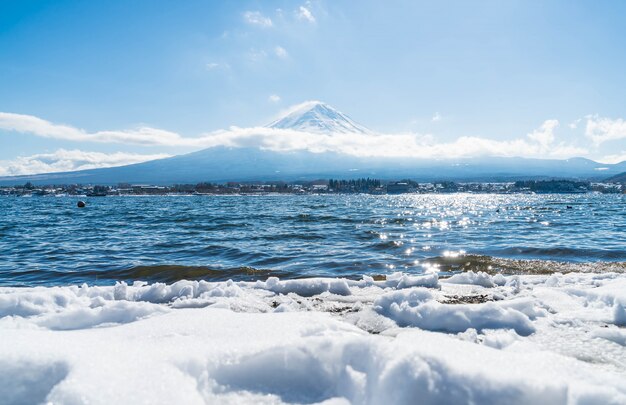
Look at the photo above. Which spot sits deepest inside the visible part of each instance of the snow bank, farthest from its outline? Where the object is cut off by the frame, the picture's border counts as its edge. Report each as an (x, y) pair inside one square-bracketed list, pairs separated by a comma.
[(305, 288), (521, 339), (481, 278), (429, 280), (614, 335), (400, 280), (417, 308)]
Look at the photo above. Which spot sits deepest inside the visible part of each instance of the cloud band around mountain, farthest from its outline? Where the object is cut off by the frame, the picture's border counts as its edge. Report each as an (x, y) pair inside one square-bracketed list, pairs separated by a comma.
[(539, 143), (64, 160)]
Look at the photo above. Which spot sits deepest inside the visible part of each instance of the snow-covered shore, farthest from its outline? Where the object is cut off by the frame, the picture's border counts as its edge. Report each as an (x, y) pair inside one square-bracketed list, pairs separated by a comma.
[(471, 338)]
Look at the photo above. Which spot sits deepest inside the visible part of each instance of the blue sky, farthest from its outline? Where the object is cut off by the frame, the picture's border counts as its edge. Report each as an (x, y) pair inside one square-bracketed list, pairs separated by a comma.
[(531, 78)]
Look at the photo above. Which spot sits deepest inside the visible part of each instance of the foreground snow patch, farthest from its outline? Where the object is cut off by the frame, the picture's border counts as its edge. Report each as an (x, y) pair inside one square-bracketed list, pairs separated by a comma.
[(471, 338)]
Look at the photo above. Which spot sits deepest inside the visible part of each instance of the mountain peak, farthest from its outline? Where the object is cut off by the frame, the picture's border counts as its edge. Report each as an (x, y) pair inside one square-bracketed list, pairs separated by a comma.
[(315, 116)]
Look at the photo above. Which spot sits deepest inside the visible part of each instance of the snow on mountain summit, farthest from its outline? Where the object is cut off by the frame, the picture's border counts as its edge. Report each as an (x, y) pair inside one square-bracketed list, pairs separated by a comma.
[(315, 116)]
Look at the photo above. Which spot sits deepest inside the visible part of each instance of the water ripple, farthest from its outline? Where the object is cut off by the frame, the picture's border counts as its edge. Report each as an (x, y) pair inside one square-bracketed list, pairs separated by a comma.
[(49, 241)]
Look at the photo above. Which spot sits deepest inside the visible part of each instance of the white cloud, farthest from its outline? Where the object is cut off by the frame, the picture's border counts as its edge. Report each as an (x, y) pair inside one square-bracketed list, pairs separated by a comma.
[(280, 52), (303, 13), (274, 98), (395, 145), (614, 158), (574, 124), (256, 18), (539, 143), (544, 135), (436, 117), (217, 66), (256, 55), (37, 126), (69, 160), (601, 129)]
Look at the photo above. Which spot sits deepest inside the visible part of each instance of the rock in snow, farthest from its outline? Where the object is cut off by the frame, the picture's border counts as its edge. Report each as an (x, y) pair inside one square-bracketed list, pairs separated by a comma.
[(472, 338)]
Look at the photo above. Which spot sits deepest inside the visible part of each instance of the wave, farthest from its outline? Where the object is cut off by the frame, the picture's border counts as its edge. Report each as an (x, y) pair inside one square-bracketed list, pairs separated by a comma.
[(562, 252), (170, 273), (164, 273), (492, 265)]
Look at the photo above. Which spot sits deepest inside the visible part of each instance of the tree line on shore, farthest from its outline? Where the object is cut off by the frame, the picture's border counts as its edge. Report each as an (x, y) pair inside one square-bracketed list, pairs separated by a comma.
[(344, 186)]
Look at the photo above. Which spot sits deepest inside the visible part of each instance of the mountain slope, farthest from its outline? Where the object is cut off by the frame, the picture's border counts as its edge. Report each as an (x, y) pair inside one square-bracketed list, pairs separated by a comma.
[(620, 178), (221, 164)]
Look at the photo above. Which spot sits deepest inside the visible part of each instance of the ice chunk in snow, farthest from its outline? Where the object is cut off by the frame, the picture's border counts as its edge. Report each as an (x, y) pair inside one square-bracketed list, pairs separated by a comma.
[(416, 307), (111, 313), (481, 278), (429, 280), (499, 339), (526, 305), (515, 282), (614, 335), (619, 313), (499, 279), (305, 287), (553, 280), (35, 301)]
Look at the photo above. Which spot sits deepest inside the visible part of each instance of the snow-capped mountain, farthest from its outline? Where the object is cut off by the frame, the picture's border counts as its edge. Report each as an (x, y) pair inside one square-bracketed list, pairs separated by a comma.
[(222, 163), (315, 116)]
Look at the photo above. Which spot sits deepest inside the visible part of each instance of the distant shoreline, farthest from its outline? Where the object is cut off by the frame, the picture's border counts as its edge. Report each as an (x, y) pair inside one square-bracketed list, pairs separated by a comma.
[(359, 186), (267, 194)]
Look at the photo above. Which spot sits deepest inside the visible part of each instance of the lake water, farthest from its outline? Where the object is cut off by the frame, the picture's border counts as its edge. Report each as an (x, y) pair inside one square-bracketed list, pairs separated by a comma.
[(49, 241)]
